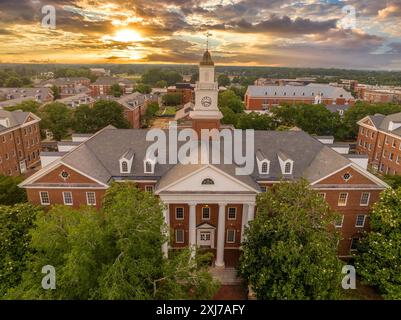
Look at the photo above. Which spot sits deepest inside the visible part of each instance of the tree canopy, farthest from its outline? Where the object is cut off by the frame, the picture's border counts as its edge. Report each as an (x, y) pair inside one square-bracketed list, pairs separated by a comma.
[(56, 117), (289, 250), (112, 254), (15, 223), (10, 193), (378, 260)]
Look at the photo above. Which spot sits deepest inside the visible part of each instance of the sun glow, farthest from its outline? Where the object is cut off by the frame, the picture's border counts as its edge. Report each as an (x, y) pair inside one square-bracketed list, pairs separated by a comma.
[(125, 35)]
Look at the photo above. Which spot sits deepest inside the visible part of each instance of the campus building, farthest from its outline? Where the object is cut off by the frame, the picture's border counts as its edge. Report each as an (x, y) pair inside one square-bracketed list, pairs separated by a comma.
[(258, 98), (380, 138), (209, 204), (20, 142)]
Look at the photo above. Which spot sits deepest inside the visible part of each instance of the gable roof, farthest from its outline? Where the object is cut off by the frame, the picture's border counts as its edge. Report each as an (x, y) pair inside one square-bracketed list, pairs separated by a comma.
[(16, 118), (99, 157), (382, 122)]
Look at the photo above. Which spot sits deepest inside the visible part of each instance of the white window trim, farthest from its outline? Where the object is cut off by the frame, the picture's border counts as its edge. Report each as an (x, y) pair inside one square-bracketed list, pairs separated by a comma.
[(228, 213), (203, 218), (291, 166), (183, 213), (360, 202), (152, 164), (72, 199), (235, 235), (364, 221), (260, 165), (342, 223), (346, 200), (350, 247), (150, 186), (183, 236), (322, 194), (87, 199), (41, 199)]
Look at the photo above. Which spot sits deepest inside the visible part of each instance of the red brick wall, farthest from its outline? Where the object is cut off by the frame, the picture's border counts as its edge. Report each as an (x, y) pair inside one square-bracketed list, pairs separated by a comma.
[(380, 152), (20, 144)]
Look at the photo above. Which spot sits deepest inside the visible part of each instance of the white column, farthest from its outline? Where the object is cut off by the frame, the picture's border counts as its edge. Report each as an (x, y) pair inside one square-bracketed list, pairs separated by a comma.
[(221, 235), (251, 212), (192, 227), (244, 221), (166, 215)]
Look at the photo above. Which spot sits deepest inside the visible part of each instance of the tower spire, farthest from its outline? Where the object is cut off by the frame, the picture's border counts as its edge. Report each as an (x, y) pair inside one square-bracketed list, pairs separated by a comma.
[(208, 34)]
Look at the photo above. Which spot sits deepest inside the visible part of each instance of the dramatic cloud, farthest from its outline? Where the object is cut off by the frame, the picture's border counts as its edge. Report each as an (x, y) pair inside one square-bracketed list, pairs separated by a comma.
[(260, 32)]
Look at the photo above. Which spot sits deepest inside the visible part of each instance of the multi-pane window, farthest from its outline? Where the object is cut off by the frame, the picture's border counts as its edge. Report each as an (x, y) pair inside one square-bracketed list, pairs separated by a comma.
[(148, 167), (365, 198), (339, 222), (206, 213), (342, 199), (354, 244), (230, 236), (67, 198), (265, 168), (149, 188), (287, 168), (179, 213), (360, 221), (179, 236), (232, 213), (91, 198), (322, 195), (44, 198), (124, 166)]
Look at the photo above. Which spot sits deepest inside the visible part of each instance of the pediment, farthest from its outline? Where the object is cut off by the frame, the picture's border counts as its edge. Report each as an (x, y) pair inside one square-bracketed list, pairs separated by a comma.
[(200, 181)]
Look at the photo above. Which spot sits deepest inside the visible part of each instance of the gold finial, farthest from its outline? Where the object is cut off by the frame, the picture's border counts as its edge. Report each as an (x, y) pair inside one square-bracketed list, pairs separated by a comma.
[(208, 34)]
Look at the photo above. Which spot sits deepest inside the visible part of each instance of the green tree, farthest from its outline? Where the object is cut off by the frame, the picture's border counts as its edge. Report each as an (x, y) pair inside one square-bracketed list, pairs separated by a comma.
[(57, 118), (143, 88), (161, 84), (109, 113), (84, 119), (255, 121), (56, 92), (113, 254), (172, 99), (26, 106), (393, 181), (15, 223), (228, 99), (150, 113), (378, 260), (289, 251), (116, 90), (223, 80), (10, 193), (13, 82)]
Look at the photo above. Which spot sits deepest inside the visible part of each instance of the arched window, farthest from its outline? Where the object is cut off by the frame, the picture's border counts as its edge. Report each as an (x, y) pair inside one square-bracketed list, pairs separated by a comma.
[(287, 168), (148, 167), (124, 166), (207, 181), (265, 168)]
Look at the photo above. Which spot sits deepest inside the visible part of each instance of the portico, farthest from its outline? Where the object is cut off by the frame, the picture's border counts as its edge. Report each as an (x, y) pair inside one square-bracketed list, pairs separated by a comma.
[(215, 221)]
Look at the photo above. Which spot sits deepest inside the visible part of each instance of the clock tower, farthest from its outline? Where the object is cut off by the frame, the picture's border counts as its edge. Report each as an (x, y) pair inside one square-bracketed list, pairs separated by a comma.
[(206, 114)]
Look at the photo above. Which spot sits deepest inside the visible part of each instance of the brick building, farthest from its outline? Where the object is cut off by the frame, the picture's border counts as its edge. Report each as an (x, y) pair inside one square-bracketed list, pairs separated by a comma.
[(186, 90), (102, 86), (380, 138), (20, 142), (266, 97), (69, 86), (135, 105), (209, 205)]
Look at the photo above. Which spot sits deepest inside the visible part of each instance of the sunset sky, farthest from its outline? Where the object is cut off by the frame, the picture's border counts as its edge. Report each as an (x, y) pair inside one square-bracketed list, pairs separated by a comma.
[(308, 33)]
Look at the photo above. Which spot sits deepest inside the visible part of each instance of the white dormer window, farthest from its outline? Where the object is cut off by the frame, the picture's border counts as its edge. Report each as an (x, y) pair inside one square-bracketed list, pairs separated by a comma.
[(264, 167), (124, 167), (126, 162), (286, 164), (288, 168), (149, 166)]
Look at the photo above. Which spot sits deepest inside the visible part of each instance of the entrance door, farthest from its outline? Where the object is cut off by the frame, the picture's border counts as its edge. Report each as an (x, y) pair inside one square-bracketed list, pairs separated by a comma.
[(205, 239)]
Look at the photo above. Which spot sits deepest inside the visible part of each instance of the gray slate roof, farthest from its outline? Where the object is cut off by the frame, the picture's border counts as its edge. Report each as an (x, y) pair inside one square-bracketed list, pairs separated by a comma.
[(99, 157), (16, 118), (309, 91), (382, 122)]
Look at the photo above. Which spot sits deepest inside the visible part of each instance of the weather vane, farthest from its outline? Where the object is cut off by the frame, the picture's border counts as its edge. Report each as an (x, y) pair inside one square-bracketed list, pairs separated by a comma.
[(208, 34)]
